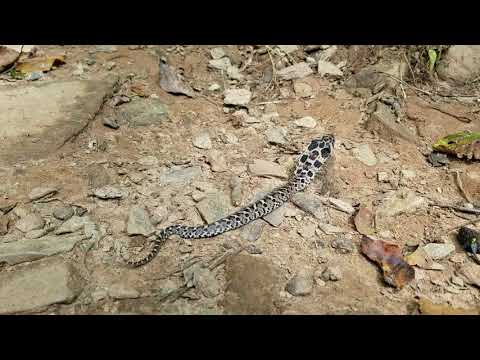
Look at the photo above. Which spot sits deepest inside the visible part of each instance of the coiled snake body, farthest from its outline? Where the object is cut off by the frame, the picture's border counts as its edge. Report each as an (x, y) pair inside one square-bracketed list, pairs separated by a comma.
[(308, 165)]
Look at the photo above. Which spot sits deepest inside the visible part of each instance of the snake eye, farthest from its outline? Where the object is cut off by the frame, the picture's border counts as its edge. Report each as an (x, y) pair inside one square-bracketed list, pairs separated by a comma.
[(450, 142)]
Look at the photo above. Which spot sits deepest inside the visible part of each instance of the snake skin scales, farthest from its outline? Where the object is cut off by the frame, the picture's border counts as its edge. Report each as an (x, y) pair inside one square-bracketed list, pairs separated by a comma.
[(308, 164)]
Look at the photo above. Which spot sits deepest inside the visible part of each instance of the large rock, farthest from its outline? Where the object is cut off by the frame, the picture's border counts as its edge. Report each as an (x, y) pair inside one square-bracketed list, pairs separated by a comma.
[(37, 286), (38, 119), (461, 63), (253, 286), (143, 112), (384, 122), (33, 249)]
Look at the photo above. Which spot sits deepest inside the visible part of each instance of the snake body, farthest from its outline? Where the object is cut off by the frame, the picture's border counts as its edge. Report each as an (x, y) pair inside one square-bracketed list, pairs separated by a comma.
[(308, 165)]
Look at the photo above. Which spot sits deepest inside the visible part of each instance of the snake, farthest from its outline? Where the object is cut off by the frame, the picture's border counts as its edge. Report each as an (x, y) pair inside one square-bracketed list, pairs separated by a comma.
[(308, 165)]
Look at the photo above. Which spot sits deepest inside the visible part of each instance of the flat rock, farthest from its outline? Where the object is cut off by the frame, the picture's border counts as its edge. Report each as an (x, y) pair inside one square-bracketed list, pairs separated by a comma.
[(233, 72), (301, 284), (275, 218), (220, 64), (332, 273), (237, 190), (252, 231), (267, 169), (330, 229), (6, 205), (308, 230), (384, 122), (438, 251), (297, 71), (288, 48), (74, 224), (121, 291), (306, 122), (214, 206), (461, 63), (310, 203), (327, 68), (202, 279), (202, 140), (302, 89), (399, 202), (240, 97), (63, 212), (30, 222), (106, 48), (110, 192), (51, 114), (7, 57), (217, 161), (276, 135), (253, 285), (98, 176), (217, 53), (33, 249), (365, 155), (41, 192), (178, 175), (139, 222), (39, 285), (143, 112)]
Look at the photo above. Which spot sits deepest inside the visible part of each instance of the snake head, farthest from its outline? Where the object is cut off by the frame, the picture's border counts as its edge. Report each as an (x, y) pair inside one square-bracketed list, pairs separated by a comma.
[(329, 139)]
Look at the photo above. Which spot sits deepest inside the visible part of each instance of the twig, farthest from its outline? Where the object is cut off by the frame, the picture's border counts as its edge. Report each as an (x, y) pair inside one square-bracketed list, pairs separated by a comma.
[(458, 180), (274, 102), (410, 67), (471, 222), (405, 83), (458, 117), (459, 208), (274, 70)]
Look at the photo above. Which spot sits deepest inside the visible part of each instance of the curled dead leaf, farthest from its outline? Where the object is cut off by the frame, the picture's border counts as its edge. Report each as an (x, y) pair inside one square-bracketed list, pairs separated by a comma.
[(396, 271)]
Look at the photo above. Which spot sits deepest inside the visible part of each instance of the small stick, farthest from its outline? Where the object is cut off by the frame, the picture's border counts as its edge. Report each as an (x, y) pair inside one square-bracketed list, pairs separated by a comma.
[(460, 186), (471, 222), (459, 208)]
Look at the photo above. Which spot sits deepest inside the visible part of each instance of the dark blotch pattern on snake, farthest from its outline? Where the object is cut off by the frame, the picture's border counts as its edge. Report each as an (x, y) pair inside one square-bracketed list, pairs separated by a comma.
[(308, 165)]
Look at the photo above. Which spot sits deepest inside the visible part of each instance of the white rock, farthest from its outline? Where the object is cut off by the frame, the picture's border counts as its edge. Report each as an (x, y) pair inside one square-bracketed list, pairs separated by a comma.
[(306, 122), (267, 168), (327, 68), (297, 71), (220, 64), (364, 154), (288, 48), (237, 97), (202, 141), (233, 72), (439, 251), (217, 53), (214, 87)]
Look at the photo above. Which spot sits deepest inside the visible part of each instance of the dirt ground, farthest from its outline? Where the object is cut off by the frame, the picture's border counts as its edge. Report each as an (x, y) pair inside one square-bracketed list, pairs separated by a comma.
[(253, 280)]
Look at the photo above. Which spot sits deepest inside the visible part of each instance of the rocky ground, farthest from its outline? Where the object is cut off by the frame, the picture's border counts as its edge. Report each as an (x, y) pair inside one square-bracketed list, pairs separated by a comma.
[(101, 145)]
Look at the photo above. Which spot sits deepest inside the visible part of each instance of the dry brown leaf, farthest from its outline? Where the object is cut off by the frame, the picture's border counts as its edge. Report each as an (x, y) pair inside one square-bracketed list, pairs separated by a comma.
[(396, 271), (364, 221), (429, 308), (39, 64)]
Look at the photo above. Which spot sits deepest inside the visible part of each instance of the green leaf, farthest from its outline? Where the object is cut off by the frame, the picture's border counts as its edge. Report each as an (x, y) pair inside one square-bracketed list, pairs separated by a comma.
[(432, 56)]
